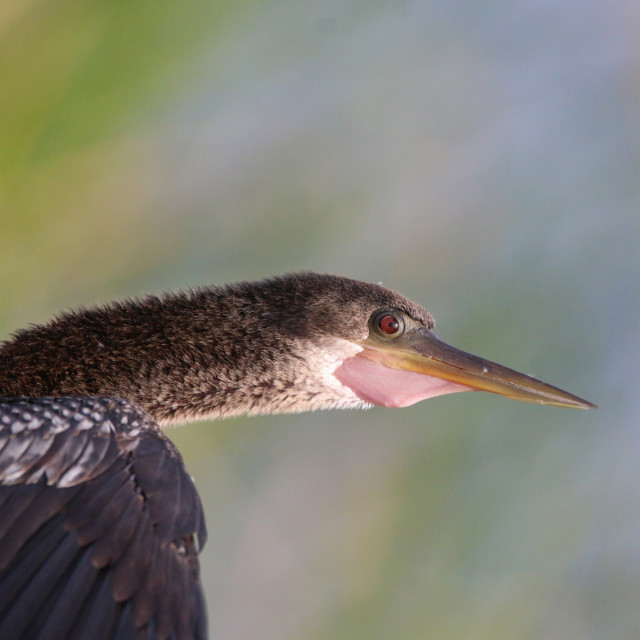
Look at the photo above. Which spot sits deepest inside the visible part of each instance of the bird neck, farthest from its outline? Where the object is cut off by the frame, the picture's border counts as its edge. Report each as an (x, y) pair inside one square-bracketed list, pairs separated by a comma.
[(182, 357)]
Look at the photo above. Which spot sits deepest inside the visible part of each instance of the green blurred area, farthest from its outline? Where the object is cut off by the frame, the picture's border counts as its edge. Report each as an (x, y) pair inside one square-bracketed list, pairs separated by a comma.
[(482, 160)]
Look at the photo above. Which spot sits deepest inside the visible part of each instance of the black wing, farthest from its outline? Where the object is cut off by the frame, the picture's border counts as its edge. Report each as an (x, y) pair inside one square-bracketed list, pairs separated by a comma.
[(100, 524)]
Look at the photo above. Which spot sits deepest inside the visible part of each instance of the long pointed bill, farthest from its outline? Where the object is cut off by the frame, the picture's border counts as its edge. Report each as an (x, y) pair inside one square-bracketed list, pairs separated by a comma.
[(417, 365)]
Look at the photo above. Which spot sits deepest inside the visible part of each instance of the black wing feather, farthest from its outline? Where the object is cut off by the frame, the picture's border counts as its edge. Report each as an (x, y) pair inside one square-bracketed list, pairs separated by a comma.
[(43, 507), (67, 598), (14, 502), (100, 524), (32, 557), (25, 616), (98, 613), (91, 515)]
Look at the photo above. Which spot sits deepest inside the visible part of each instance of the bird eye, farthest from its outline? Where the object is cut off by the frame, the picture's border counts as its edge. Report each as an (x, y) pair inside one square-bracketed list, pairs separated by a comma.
[(387, 323)]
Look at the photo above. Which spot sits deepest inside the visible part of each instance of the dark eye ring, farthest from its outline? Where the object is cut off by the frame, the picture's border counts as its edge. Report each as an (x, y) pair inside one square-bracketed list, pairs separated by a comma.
[(387, 323)]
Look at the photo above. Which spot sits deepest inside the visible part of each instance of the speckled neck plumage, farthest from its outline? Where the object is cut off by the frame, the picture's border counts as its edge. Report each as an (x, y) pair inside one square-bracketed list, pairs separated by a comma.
[(251, 348)]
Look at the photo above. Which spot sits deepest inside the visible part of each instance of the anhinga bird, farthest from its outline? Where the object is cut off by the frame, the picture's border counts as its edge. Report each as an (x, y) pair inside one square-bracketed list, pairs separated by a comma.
[(100, 524)]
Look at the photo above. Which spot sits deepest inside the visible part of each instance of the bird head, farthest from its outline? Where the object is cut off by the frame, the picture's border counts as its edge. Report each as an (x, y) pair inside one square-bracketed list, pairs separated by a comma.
[(380, 346)]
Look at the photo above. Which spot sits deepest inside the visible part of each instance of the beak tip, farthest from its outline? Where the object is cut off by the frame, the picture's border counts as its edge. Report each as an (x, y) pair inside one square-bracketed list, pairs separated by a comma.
[(575, 403)]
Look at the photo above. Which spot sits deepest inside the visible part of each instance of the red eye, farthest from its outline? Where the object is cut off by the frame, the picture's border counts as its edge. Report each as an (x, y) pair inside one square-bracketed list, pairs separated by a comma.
[(389, 324)]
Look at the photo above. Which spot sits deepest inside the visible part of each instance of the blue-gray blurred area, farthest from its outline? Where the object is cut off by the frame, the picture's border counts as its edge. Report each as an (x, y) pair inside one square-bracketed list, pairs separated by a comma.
[(481, 158)]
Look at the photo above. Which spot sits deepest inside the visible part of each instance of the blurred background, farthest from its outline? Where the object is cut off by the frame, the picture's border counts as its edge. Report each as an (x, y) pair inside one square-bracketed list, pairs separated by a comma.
[(481, 158)]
